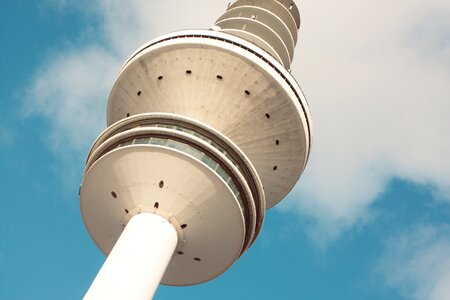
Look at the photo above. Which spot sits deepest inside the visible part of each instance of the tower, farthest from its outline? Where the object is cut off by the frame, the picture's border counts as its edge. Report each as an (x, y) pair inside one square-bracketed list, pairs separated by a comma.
[(207, 129)]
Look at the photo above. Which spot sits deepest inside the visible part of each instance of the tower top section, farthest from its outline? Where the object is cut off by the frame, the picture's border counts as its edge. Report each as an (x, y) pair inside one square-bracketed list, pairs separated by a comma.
[(272, 25)]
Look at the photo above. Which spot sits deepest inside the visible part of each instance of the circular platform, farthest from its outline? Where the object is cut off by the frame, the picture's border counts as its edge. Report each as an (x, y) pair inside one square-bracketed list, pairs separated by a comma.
[(195, 134), (184, 190), (230, 85)]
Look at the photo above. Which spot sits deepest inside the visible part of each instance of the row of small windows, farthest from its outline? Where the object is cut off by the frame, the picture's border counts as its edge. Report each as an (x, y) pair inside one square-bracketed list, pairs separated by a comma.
[(209, 141), (200, 136), (189, 72)]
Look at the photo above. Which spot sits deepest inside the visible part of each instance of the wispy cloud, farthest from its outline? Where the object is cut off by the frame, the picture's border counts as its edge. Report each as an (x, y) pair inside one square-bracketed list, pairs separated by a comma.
[(71, 87), (71, 92), (417, 263)]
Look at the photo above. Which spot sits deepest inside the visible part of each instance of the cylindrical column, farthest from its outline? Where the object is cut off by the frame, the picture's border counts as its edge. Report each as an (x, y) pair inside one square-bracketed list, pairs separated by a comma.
[(138, 260)]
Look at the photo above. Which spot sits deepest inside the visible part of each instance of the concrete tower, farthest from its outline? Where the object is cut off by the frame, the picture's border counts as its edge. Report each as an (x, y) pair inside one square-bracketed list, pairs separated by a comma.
[(207, 130)]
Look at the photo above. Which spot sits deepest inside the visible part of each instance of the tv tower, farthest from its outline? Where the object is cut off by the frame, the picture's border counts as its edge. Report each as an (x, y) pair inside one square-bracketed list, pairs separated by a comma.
[(207, 129)]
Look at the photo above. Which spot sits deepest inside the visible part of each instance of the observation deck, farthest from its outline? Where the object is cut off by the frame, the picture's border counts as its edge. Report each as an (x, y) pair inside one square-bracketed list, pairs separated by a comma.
[(207, 129)]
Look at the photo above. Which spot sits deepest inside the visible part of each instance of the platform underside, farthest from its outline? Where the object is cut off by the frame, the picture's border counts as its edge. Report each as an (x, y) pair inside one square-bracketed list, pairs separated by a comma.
[(144, 178)]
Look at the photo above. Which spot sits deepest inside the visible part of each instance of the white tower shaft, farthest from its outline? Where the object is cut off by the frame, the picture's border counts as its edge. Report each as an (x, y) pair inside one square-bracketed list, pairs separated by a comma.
[(135, 266)]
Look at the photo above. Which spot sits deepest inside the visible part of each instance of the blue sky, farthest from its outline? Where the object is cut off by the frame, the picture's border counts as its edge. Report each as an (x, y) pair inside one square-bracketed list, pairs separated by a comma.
[(370, 218)]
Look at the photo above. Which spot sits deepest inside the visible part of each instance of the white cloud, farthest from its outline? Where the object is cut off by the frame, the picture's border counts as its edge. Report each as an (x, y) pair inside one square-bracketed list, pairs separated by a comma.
[(417, 263), (376, 74), (71, 92), (377, 77)]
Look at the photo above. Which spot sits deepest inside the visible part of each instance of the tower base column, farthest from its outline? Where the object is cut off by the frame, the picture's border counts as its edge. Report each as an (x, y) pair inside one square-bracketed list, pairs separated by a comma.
[(136, 264)]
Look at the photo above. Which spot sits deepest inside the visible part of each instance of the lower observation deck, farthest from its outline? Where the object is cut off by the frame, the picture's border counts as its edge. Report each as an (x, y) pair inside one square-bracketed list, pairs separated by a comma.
[(183, 171)]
